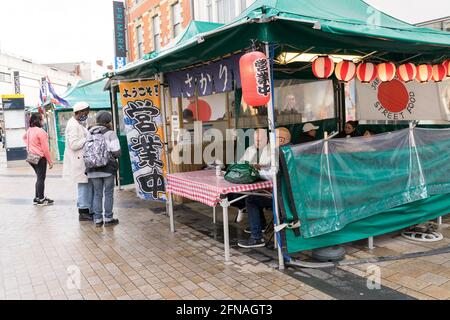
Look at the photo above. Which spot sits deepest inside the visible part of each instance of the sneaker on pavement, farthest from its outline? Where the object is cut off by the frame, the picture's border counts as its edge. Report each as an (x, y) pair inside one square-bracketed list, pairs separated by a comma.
[(247, 230), (44, 202), (35, 201), (251, 243), (112, 222), (85, 217), (49, 201)]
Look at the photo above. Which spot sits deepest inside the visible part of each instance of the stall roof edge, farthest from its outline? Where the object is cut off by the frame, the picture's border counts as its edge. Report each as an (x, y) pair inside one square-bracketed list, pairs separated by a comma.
[(342, 24)]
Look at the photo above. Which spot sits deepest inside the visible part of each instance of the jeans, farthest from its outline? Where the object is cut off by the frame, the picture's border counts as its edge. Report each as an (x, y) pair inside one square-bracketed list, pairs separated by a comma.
[(41, 172), (85, 195), (256, 219), (103, 186)]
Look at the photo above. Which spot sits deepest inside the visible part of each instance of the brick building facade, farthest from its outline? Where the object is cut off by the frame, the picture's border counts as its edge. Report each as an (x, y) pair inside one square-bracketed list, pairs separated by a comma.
[(153, 24)]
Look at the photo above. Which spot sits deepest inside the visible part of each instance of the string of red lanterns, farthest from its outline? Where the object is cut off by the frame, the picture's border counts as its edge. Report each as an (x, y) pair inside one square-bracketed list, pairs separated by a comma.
[(446, 64), (323, 67), (407, 72), (366, 72)]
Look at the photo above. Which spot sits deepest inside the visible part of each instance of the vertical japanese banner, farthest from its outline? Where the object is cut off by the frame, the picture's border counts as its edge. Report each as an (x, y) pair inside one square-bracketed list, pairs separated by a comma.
[(143, 124)]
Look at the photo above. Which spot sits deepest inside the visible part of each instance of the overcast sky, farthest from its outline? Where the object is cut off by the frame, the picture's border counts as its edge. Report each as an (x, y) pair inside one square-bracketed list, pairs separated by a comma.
[(82, 30), (57, 30)]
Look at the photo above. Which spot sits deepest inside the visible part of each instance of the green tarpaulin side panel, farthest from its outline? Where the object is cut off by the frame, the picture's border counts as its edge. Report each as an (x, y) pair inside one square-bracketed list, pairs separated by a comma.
[(385, 222), (328, 181), (91, 92)]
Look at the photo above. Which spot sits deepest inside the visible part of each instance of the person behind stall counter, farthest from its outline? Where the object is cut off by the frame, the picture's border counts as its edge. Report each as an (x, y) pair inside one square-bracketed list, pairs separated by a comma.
[(309, 133)]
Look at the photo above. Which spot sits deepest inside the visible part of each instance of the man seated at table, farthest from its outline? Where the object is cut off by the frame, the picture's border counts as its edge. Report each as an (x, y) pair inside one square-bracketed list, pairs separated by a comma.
[(256, 204), (257, 155)]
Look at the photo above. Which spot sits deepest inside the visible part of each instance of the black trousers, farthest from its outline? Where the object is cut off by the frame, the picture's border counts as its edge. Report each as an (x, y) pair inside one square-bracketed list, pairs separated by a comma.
[(41, 172)]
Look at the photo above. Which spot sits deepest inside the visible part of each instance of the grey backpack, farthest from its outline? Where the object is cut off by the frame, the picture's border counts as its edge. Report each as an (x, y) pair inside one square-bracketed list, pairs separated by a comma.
[(96, 154)]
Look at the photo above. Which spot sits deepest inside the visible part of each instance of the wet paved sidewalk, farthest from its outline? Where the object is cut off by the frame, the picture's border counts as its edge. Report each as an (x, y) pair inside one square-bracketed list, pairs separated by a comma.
[(137, 259), (140, 259)]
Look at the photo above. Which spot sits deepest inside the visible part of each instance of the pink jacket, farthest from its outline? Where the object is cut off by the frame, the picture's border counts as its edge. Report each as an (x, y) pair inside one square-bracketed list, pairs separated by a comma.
[(36, 140)]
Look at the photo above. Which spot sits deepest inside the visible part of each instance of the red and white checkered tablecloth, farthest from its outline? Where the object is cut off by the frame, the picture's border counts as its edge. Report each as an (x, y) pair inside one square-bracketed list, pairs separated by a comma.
[(205, 187)]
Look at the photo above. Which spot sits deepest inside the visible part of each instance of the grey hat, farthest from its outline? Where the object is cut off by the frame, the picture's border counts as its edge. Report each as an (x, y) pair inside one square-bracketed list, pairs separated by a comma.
[(103, 117)]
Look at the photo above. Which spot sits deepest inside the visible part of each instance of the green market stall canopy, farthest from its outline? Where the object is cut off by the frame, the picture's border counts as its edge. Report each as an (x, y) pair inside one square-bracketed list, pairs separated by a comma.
[(349, 27), (90, 91)]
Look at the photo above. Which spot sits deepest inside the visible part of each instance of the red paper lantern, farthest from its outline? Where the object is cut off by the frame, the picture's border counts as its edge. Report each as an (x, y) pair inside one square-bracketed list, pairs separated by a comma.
[(424, 73), (439, 72), (386, 71), (255, 78), (323, 67), (446, 64), (407, 72), (366, 72), (345, 71)]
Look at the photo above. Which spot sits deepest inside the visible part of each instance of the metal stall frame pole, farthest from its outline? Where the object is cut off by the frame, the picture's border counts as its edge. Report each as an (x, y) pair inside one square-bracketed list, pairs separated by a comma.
[(273, 154), (169, 203), (114, 108)]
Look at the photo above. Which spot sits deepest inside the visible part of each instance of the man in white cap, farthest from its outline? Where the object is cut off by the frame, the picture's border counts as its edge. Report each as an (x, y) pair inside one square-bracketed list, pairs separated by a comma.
[(309, 133), (74, 167)]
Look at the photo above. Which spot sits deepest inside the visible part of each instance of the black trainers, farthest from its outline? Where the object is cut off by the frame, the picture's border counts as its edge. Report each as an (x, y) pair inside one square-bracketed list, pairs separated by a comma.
[(35, 201), (44, 202), (113, 222), (49, 201), (84, 215), (247, 230), (252, 243)]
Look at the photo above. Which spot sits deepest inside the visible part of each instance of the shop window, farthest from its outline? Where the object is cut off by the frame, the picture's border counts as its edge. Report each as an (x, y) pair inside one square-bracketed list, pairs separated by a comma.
[(140, 42), (226, 10), (156, 27), (5, 77), (176, 18), (243, 5), (209, 10)]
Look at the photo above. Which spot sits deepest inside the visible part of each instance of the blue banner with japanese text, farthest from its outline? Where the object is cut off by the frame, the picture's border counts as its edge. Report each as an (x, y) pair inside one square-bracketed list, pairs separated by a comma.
[(216, 77)]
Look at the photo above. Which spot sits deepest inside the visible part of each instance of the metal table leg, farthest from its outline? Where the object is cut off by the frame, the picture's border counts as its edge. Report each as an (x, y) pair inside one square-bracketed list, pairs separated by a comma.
[(214, 215), (226, 237), (370, 243), (171, 218)]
